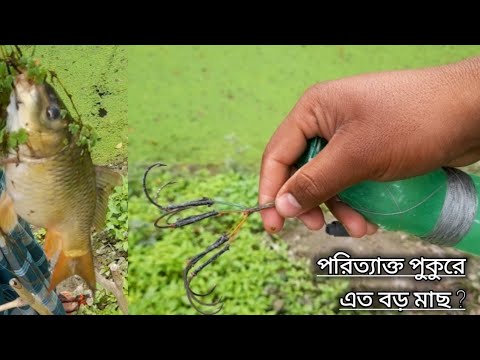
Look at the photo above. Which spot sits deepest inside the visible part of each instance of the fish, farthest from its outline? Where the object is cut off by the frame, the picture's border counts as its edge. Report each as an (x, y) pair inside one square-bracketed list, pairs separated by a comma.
[(52, 183)]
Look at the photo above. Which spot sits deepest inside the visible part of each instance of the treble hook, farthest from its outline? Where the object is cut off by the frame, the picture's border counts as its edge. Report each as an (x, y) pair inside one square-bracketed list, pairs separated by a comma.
[(222, 244), (171, 210)]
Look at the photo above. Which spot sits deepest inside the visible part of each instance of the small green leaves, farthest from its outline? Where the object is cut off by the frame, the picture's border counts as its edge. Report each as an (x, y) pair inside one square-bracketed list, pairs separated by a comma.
[(117, 216), (11, 140), (17, 138), (73, 128), (6, 80), (86, 135), (33, 69)]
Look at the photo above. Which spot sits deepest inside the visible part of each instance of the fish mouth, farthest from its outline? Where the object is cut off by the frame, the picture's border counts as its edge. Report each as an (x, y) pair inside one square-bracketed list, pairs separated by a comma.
[(37, 108), (26, 91), (23, 83), (37, 97)]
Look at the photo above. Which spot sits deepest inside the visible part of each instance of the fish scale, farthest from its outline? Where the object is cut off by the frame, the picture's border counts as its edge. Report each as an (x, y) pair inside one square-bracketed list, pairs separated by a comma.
[(63, 185)]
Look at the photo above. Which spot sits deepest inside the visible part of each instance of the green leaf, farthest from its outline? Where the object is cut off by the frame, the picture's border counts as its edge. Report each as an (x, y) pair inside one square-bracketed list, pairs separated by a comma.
[(22, 136), (73, 128), (16, 138)]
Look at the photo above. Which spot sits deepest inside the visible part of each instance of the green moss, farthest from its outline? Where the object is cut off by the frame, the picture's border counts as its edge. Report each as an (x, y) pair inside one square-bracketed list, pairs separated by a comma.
[(257, 276), (96, 76), (210, 104)]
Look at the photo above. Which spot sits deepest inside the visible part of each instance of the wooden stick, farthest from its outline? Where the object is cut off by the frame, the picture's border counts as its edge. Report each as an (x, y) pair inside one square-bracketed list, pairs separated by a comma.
[(118, 280), (115, 286), (29, 298), (18, 302)]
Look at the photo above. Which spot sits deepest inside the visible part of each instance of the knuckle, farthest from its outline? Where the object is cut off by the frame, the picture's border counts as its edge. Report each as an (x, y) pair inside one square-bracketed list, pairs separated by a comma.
[(319, 87), (308, 189), (321, 100), (316, 92)]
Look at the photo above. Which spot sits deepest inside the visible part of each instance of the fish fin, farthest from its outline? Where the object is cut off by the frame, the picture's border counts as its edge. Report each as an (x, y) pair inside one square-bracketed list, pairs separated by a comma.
[(8, 216), (67, 266), (53, 244), (106, 179)]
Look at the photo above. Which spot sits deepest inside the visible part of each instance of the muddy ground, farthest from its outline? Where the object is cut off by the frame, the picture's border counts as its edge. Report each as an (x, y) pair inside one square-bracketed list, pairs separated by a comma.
[(317, 244)]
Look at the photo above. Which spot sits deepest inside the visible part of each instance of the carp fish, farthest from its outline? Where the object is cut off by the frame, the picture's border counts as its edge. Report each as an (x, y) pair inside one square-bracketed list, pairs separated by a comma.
[(51, 181)]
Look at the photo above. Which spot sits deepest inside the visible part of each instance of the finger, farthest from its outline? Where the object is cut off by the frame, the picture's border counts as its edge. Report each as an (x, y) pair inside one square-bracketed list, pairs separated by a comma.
[(354, 223), (272, 221), (371, 228), (284, 148), (465, 159), (313, 219), (331, 171)]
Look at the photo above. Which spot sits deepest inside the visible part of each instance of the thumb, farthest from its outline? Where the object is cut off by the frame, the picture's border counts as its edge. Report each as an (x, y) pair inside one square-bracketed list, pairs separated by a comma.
[(335, 168)]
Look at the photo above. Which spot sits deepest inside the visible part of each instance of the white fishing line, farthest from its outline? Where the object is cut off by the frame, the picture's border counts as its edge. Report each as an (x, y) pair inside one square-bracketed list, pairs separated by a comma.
[(401, 212), (458, 211)]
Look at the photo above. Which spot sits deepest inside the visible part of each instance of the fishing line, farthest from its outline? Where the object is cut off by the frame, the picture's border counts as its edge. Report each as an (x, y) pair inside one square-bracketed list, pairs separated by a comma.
[(458, 211), (400, 212), (227, 203)]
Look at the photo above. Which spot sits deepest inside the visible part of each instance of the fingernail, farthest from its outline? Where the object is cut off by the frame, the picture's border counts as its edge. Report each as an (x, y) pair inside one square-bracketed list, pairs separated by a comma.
[(287, 205)]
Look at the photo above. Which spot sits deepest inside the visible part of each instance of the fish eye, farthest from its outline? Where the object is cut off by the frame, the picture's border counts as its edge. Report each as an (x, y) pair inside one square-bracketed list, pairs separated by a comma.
[(53, 113)]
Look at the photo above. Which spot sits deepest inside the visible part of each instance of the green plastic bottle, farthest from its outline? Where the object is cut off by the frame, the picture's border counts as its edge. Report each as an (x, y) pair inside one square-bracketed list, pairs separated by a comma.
[(412, 205)]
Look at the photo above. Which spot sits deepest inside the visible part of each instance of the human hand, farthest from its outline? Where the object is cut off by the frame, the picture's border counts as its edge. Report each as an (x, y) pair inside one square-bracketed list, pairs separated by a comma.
[(381, 126)]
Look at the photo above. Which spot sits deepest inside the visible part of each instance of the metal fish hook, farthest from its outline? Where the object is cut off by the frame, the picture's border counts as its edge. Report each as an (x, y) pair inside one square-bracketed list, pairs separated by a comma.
[(219, 247)]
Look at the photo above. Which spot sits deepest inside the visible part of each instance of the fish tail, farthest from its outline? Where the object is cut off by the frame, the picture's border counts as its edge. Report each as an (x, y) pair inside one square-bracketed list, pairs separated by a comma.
[(67, 266)]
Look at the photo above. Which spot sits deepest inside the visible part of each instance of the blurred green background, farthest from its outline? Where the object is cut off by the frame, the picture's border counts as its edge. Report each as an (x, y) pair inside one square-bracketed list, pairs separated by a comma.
[(208, 111)]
